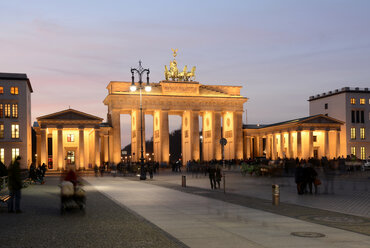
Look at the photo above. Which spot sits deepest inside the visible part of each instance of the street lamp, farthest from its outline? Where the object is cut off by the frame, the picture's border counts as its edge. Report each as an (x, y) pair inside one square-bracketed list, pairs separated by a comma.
[(140, 71)]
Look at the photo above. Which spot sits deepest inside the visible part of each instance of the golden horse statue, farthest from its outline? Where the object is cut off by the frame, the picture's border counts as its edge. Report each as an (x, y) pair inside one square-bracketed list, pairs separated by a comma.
[(190, 75), (173, 72)]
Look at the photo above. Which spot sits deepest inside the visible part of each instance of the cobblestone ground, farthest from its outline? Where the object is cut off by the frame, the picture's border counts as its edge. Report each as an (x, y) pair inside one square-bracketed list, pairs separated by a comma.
[(348, 194), (105, 224)]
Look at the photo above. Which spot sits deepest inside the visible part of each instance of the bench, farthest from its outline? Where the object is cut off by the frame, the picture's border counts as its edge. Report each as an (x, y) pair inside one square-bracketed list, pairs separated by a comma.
[(4, 198)]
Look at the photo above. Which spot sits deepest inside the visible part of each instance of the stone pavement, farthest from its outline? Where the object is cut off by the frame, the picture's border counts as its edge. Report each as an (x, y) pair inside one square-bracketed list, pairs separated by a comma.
[(350, 193), (105, 224), (200, 220)]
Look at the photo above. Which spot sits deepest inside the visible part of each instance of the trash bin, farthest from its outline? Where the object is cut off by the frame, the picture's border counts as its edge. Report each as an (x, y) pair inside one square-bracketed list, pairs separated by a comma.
[(275, 194), (183, 181)]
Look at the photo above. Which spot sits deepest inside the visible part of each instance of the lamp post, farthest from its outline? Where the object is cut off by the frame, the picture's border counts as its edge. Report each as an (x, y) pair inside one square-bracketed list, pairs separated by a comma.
[(140, 71)]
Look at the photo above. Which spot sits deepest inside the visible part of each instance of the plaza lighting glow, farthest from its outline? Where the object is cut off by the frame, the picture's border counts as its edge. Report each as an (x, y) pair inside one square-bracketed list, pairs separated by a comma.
[(148, 88), (133, 87)]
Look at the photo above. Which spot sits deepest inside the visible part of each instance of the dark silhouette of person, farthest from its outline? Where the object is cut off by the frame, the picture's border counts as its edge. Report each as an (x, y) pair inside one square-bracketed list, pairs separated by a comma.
[(299, 179), (212, 176), (14, 186), (218, 176)]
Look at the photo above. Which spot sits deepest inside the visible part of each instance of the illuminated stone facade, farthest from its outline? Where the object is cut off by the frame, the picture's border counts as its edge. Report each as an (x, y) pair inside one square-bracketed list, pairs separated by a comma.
[(313, 136), (76, 139), (190, 100)]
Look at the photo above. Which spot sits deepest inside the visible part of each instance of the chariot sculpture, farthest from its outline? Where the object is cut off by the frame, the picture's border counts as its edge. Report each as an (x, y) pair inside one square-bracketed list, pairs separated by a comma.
[(174, 74)]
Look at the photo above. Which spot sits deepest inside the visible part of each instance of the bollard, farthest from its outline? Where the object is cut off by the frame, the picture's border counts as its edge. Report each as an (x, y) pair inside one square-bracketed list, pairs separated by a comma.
[(183, 181), (275, 194)]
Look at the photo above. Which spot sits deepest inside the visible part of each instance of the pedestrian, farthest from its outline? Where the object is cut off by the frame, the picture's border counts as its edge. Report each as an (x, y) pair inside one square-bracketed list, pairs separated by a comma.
[(311, 178), (96, 170), (43, 169), (102, 170), (218, 175), (212, 176), (3, 170), (14, 186), (150, 170), (298, 176)]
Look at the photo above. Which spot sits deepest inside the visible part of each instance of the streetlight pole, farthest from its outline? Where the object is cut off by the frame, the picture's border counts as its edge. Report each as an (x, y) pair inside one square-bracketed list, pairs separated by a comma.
[(140, 71)]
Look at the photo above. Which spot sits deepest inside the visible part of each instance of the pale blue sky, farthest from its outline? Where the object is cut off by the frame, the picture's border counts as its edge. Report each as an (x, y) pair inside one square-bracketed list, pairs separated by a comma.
[(281, 52)]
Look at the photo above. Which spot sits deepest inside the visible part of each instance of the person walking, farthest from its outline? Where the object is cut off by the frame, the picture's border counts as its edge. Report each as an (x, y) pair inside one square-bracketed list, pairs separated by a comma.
[(14, 186), (212, 176), (298, 176), (218, 176)]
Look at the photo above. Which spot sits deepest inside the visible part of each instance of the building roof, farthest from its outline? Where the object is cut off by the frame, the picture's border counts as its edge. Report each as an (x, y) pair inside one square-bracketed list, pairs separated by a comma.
[(69, 114), (312, 119), (337, 91), (16, 76)]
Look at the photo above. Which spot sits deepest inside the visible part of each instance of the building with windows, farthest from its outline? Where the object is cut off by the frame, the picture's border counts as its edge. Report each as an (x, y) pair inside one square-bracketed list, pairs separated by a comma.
[(352, 106), (308, 137), (71, 138), (15, 118)]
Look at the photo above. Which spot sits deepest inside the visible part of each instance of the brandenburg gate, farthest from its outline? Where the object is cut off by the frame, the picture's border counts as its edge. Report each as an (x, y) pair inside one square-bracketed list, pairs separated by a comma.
[(221, 109)]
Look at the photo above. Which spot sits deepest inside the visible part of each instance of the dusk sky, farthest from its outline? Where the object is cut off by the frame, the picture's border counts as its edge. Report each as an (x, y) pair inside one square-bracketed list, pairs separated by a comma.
[(281, 52)]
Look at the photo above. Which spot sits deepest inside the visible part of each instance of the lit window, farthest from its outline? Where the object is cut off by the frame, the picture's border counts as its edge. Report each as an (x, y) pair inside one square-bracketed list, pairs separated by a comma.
[(362, 133), (353, 101), (70, 138), (15, 131), (363, 153), (353, 133), (353, 150), (2, 155), (7, 110), (1, 111), (14, 90), (15, 111), (15, 153), (1, 90), (1, 131), (362, 100)]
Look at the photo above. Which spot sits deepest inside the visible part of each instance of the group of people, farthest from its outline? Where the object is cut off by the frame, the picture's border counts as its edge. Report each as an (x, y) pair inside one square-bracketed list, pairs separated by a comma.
[(214, 173), (305, 175), (37, 174)]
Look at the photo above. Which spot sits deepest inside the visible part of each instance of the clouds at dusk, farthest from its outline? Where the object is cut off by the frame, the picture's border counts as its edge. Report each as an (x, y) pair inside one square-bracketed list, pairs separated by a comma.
[(281, 52)]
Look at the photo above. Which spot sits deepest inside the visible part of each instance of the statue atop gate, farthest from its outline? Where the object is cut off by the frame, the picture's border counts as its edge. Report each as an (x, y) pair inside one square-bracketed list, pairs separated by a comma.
[(174, 74)]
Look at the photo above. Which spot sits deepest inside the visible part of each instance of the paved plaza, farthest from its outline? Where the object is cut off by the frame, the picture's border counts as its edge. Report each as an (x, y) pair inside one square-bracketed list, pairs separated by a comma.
[(126, 212)]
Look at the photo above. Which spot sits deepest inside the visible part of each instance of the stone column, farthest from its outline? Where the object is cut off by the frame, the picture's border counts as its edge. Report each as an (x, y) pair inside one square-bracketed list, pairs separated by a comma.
[(186, 133), (217, 153), (110, 146), (274, 150), (248, 147), (337, 153), (60, 149), (268, 146), (310, 144), (97, 147), (81, 147), (116, 126), (326, 145), (238, 134), (38, 148), (281, 150), (290, 145), (259, 146), (106, 150), (195, 151), (137, 122), (44, 147), (299, 144)]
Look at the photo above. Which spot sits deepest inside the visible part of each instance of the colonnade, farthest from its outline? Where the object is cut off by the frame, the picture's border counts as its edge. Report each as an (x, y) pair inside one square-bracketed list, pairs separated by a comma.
[(86, 151), (212, 133), (298, 143)]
